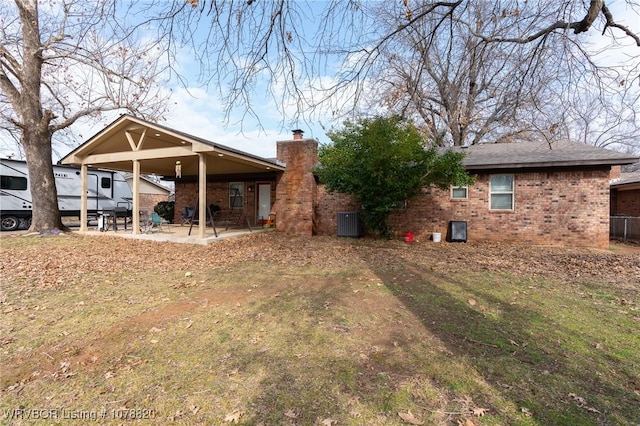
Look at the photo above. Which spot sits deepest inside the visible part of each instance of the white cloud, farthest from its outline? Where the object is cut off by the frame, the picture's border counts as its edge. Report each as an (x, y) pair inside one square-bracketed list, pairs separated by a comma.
[(196, 112)]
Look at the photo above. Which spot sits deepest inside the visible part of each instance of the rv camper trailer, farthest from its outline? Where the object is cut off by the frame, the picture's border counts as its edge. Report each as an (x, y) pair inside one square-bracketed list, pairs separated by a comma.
[(106, 191)]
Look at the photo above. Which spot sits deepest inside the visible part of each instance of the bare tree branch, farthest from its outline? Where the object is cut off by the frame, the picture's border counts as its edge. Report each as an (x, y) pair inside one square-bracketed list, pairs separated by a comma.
[(611, 23), (595, 8), (69, 61)]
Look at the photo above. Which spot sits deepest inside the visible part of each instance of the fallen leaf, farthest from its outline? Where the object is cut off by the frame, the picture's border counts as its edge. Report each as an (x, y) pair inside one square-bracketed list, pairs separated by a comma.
[(479, 412), (155, 330), (410, 418), (580, 400), (291, 414), (582, 403), (526, 411), (472, 302), (354, 401), (329, 422), (233, 417)]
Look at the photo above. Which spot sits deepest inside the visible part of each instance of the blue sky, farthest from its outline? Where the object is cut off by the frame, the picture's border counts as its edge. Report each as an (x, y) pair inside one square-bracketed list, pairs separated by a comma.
[(197, 110)]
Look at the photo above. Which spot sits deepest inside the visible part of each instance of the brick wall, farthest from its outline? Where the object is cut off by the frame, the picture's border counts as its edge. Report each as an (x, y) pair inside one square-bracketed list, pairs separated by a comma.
[(296, 188), (626, 203), (328, 205), (149, 201), (616, 172), (186, 194), (558, 208)]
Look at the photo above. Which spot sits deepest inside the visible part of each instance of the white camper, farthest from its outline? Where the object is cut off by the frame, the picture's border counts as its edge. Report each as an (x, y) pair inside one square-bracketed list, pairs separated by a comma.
[(106, 191)]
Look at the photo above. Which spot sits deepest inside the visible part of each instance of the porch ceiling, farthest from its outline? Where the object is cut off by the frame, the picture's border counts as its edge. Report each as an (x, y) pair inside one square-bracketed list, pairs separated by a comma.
[(158, 148)]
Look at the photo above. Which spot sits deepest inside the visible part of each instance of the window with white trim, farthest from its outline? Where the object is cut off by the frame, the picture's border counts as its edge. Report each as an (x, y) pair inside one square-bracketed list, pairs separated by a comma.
[(236, 195), (459, 192), (501, 192)]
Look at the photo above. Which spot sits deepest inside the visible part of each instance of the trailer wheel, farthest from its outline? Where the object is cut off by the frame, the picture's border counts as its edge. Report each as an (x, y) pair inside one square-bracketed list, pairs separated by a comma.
[(9, 223)]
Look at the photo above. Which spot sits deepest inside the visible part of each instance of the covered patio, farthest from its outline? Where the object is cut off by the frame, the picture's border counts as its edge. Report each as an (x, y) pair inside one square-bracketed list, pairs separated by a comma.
[(130, 144)]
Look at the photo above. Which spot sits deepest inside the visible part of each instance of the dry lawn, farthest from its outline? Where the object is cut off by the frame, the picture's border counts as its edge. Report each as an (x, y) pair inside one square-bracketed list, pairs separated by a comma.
[(277, 330)]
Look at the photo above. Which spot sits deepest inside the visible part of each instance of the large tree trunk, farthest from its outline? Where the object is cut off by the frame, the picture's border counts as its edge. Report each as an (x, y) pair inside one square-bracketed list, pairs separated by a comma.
[(36, 134), (37, 148)]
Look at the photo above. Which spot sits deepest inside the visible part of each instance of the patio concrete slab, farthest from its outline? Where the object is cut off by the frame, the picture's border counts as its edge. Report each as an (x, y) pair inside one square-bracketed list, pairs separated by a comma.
[(178, 234)]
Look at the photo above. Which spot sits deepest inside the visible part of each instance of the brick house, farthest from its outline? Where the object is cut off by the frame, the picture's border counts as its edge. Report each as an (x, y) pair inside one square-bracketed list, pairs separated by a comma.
[(288, 194), (151, 193), (204, 172), (625, 190), (526, 192)]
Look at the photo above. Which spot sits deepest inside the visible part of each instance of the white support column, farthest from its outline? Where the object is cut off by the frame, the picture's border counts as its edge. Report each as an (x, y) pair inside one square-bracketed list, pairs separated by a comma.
[(136, 197), (83, 197), (202, 195)]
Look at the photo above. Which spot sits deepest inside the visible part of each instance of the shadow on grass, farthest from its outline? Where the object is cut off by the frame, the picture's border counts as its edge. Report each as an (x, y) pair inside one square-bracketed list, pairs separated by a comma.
[(300, 381), (324, 363), (530, 359)]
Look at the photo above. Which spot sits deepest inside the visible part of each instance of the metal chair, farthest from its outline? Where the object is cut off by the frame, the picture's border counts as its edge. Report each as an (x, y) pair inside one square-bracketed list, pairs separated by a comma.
[(145, 221), (156, 222)]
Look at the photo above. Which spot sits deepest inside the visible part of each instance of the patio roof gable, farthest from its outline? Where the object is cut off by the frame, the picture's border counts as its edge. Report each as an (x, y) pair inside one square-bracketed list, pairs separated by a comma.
[(158, 149)]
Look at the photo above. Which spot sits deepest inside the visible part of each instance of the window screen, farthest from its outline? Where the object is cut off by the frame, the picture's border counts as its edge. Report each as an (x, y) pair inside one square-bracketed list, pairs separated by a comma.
[(459, 192), (501, 188)]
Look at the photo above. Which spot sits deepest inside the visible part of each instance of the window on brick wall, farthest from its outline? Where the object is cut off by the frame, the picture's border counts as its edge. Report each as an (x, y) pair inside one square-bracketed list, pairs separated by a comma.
[(501, 192), (459, 192), (236, 195)]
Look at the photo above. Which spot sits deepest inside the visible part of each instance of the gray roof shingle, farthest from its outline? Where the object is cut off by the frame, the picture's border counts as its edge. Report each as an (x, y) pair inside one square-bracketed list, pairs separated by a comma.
[(540, 154)]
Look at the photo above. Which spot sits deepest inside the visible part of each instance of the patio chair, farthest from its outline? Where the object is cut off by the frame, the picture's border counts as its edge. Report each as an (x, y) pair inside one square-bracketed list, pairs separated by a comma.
[(187, 216), (156, 222), (145, 220)]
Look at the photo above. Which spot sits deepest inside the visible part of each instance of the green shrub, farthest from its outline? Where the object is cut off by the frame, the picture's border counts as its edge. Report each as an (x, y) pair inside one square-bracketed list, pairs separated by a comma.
[(384, 161), (165, 210)]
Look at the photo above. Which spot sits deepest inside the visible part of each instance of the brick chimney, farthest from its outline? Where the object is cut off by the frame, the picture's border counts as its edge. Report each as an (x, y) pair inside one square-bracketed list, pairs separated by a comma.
[(296, 188), (297, 134)]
